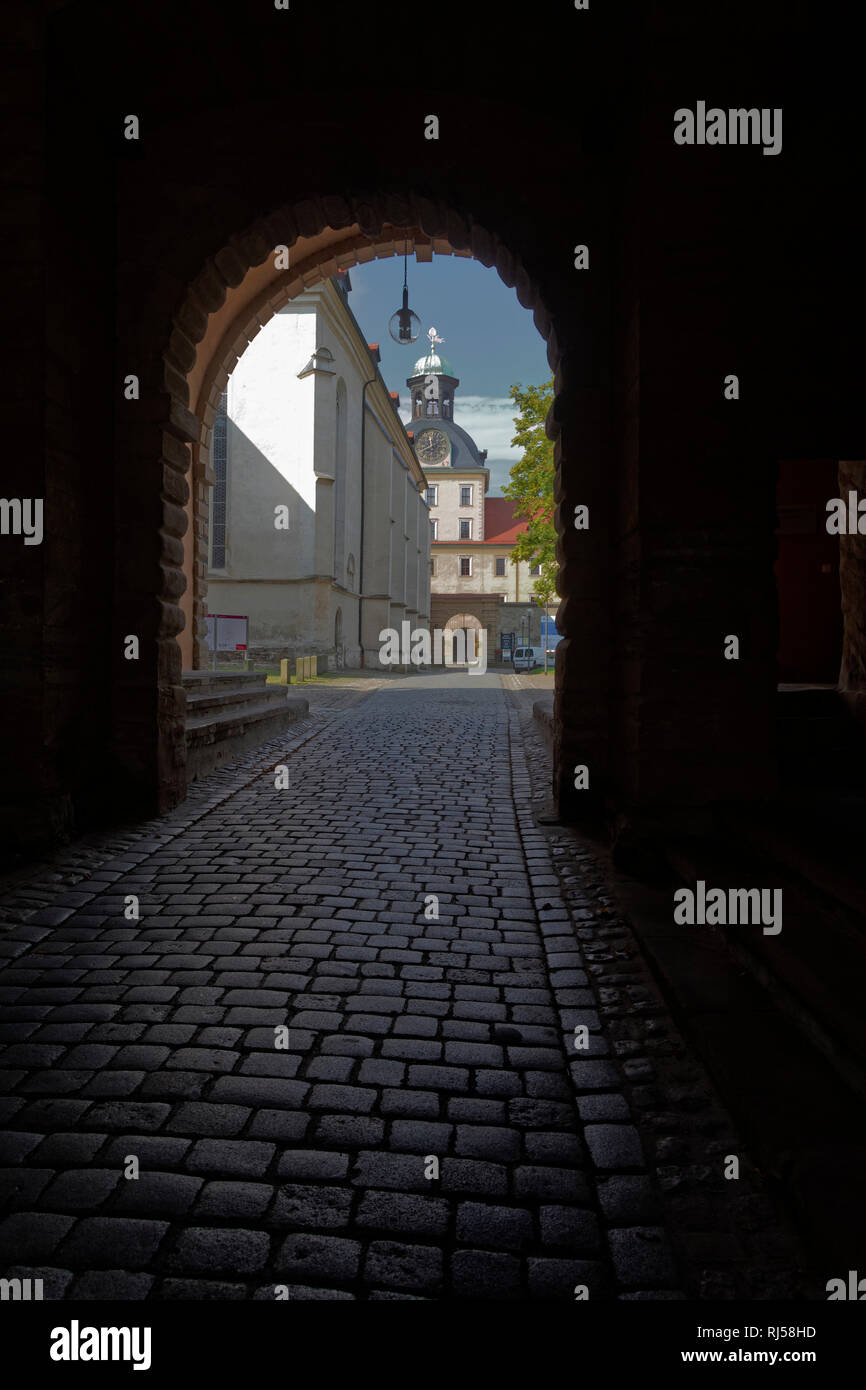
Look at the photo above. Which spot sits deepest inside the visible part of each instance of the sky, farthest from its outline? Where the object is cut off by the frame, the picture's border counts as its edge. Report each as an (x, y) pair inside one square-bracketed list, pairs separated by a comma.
[(489, 339)]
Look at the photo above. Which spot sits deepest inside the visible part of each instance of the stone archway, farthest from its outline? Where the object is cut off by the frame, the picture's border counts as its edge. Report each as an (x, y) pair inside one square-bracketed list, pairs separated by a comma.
[(265, 289), (233, 295), (462, 638), (678, 483)]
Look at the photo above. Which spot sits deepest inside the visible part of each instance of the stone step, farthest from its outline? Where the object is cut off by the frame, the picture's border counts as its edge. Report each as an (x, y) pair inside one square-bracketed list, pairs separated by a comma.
[(802, 701), (197, 682), (201, 702), (542, 713), (222, 735)]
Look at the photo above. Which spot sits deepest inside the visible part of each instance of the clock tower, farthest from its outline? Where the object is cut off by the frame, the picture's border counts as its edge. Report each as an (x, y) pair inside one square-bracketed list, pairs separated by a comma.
[(439, 443), (473, 583)]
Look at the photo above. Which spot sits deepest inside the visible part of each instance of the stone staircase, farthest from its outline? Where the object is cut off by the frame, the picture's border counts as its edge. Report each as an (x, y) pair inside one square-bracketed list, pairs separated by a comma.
[(228, 713)]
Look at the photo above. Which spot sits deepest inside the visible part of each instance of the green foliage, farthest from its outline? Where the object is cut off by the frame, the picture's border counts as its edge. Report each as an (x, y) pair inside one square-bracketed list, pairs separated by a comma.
[(531, 486)]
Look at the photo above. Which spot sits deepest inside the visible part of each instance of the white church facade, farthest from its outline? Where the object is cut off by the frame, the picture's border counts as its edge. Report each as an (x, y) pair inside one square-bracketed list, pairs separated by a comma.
[(319, 526)]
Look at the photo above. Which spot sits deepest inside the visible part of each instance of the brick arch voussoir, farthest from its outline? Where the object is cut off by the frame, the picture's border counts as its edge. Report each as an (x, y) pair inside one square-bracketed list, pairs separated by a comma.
[(226, 268)]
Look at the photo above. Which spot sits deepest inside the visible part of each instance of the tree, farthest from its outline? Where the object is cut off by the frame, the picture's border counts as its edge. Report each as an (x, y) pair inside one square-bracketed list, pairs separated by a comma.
[(531, 487)]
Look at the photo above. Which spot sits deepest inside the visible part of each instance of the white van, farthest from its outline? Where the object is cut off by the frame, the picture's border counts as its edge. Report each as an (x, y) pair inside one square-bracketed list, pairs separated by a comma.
[(526, 658)]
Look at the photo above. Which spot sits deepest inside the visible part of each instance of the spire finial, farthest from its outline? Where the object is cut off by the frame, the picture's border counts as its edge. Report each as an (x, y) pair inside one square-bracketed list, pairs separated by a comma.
[(434, 337)]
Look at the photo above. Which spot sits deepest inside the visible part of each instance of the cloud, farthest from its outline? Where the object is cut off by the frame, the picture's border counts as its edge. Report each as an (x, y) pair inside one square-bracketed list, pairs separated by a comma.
[(488, 419)]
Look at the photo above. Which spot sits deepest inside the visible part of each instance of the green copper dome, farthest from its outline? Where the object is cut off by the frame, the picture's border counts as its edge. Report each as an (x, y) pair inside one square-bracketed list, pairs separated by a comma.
[(433, 365)]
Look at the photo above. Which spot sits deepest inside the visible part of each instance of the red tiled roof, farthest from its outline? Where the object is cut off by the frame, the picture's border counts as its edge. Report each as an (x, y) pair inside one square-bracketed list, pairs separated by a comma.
[(501, 525)]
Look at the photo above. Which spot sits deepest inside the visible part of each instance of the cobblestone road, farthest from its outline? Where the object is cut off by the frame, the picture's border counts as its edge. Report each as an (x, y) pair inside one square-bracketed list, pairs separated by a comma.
[(430, 1131)]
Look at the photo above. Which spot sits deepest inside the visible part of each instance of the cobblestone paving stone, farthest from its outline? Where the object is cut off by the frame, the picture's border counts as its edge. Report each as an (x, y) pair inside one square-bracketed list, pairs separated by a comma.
[(411, 1038), (729, 1239)]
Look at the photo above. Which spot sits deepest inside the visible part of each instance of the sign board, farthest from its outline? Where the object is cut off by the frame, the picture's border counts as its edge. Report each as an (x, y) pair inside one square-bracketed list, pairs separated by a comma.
[(226, 632), (548, 626), (507, 641)]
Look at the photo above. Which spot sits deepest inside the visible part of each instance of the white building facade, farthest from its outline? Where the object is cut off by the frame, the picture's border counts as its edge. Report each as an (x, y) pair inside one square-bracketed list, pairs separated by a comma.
[(319, 528), (475, 583)]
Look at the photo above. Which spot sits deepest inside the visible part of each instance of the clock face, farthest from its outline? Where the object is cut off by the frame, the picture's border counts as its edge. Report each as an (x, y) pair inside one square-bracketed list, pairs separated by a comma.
[(433, 447)]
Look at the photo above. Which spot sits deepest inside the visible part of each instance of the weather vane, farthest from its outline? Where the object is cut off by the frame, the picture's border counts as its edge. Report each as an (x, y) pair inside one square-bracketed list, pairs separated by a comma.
[(434, 338)]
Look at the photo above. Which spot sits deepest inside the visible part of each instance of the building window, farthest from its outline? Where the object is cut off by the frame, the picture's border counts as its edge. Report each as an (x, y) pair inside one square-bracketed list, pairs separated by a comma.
[(465, 530), (435, 525), (466, 496), (499, 566), (535, 571), (433, 567), (465, 566), (432, 495), (219, 501)]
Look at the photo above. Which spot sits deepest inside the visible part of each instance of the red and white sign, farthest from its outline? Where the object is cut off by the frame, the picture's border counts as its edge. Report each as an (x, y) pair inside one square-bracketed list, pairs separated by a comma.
[(227, 632)]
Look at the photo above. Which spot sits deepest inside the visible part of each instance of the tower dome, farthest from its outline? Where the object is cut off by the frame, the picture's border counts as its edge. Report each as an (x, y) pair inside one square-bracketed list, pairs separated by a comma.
[(433, 383), (432, 364)]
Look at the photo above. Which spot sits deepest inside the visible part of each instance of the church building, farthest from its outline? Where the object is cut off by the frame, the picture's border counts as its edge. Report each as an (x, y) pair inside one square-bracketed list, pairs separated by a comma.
[(319, 532), (473, 583)]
